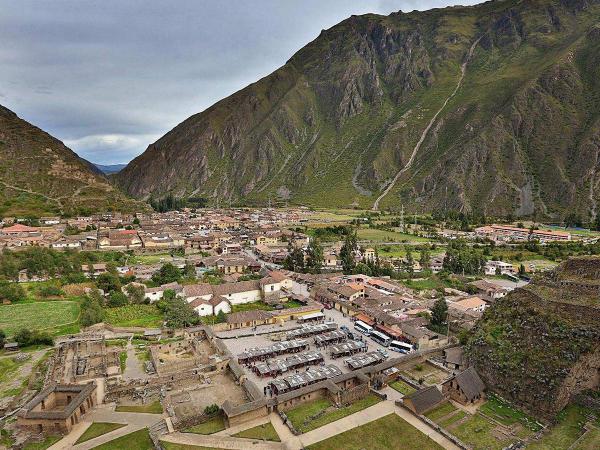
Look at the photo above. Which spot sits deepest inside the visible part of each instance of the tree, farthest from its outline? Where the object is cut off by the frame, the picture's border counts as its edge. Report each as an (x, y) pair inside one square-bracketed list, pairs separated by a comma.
[(596, 224), (137, 294), (168, 273), (424, 258), (347, 253), (189, 271), (315, 258), (410, 262), (2, 338), (91, 309), (294, 261), (116, 299), (12, 292), (439, 312), (521, 270), (179, 313), (108, 282), (221, 316), (460, 258)]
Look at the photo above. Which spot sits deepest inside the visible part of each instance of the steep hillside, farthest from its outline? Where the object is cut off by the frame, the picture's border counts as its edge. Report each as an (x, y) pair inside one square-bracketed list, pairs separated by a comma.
[(493, 108), (39, 175), (540, 345)]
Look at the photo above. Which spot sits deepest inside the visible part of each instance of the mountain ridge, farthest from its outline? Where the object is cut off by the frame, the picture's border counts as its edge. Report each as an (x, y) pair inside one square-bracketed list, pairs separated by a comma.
[(338, 122), (39, 175)]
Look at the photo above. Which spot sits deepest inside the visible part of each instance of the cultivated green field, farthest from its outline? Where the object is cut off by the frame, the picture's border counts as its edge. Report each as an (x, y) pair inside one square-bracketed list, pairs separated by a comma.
[(375, 235), (38, 315), (388, 433), (134, 316)]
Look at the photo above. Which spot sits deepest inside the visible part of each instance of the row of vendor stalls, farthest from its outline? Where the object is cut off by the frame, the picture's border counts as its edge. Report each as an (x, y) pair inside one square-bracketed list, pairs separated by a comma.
[(298, 380), (280, 348), (293, 362)]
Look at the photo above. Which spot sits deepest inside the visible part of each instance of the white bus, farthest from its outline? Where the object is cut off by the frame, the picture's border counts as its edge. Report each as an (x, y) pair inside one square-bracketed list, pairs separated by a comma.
[(380, 338), (363, 327), (402, 347)]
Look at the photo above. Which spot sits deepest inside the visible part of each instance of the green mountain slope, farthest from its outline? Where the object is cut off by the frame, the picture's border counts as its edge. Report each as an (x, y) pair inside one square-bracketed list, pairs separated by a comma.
[(39, 175), (337, 123)]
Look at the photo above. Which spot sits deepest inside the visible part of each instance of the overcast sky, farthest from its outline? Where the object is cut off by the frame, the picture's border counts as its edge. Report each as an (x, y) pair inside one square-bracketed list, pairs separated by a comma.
[(110, 77)]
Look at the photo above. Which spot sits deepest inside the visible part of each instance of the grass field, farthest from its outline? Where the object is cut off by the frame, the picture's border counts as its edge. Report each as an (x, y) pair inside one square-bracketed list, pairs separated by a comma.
[(138, 440), (263, 432), (211, 426), (134, 316), (568, 429), (38, 315), (388, 433), (7, 368), (151, 259), (44, 444), (299, 416), (98, 429), (402, 387), (503, 412), (440, 411), (151, 408), (478, 432), (374, 235), (173, 446)]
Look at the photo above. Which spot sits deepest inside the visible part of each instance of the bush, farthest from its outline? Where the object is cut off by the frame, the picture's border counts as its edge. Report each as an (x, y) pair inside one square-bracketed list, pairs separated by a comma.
[(51, 291), (116, 299), (12, 292), (91, 310), (211, 410), (27, 337)]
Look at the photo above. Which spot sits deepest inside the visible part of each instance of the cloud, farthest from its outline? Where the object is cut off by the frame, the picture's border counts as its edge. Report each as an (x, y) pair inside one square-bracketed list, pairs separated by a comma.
[(109, 77)]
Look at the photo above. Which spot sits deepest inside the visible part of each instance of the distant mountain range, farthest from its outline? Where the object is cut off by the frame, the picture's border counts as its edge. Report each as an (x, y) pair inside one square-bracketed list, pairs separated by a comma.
[(39, 176), (110, 168), (493, 108)]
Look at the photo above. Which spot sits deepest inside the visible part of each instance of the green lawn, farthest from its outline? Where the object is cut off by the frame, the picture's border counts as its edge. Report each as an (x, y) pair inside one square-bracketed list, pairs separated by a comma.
[(98, 429), (440, 411), (7, 368), (211, 426), (477, 431), (402, 387), (38, 315), (591, 441), (388, 433), (251, 307), (503, 412), (152, 408), (263, 432), (43, 445), (173, 446), (138, 440), (299, 416), (375, 235), (148, 316), (568, 429)]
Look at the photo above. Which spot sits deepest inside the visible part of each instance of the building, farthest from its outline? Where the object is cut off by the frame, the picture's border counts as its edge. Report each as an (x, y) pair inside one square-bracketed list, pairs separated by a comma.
[(57, 408), (466, 387), (499, 268), (93, 270), (508, 233), (454, 359), (423, 400), (469, 304)]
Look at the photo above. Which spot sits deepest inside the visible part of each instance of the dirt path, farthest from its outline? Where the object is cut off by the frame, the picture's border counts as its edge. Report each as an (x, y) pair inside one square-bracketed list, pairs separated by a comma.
[(133, 366), (463, 70)]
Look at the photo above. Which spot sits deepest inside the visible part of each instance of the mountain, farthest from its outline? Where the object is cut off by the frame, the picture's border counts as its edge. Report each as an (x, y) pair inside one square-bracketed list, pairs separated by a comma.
[(492, 109), (39, 175), (107, 169), (540, 345)]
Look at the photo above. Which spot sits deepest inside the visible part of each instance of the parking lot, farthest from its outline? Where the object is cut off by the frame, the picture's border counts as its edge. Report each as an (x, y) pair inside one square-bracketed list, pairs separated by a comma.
[(241, 344)]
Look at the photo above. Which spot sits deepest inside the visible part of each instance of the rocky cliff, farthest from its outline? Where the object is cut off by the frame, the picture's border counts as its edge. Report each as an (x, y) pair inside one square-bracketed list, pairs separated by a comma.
[(39, 175), (512, 126), (540, 346)]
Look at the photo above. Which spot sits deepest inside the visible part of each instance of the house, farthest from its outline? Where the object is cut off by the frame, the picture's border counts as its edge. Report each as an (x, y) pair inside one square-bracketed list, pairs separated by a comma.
[(369, 254), (57, 408), (454, 358), (422, 338), (212, 306), (93, 270), (155, 294), (436, 264), (469, 304), (465, 387), (499, 268), (423, 400), (120, 240), (490, 291), (245, 319)]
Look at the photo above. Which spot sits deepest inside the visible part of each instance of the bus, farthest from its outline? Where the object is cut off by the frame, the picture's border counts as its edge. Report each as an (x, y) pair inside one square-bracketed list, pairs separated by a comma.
[(380, 338), (363, 327), (402, 347)]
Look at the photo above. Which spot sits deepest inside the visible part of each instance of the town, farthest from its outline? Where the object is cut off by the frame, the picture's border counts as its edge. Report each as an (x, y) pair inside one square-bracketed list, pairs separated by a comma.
[(222, 328)]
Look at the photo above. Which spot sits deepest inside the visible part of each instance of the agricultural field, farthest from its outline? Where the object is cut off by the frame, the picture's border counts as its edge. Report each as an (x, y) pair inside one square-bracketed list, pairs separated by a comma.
[(402, 387), (388, 433), (52, 316), (570, 429), (301, 415), (375, 235), (148, 316)]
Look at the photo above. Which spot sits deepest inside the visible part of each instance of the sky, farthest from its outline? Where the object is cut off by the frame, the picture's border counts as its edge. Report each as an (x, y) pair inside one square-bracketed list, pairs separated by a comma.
[(110, 77)]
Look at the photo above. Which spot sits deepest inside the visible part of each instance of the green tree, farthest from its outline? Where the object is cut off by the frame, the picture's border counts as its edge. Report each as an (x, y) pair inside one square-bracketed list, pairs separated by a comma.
[(91, 309), (347, 253), (2, 338), (108, 282), (221, 316), (410, 262), (11, 292), (179, 313), (116, 299), (596, 225), (424, 258), (137, 294), (521, 270), (315, 257), (168, 273), (439, 312)]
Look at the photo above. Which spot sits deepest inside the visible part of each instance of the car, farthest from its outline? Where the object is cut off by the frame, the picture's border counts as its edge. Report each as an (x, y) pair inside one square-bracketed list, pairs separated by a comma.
[(383, 353), (345, 329), (350, 336)]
